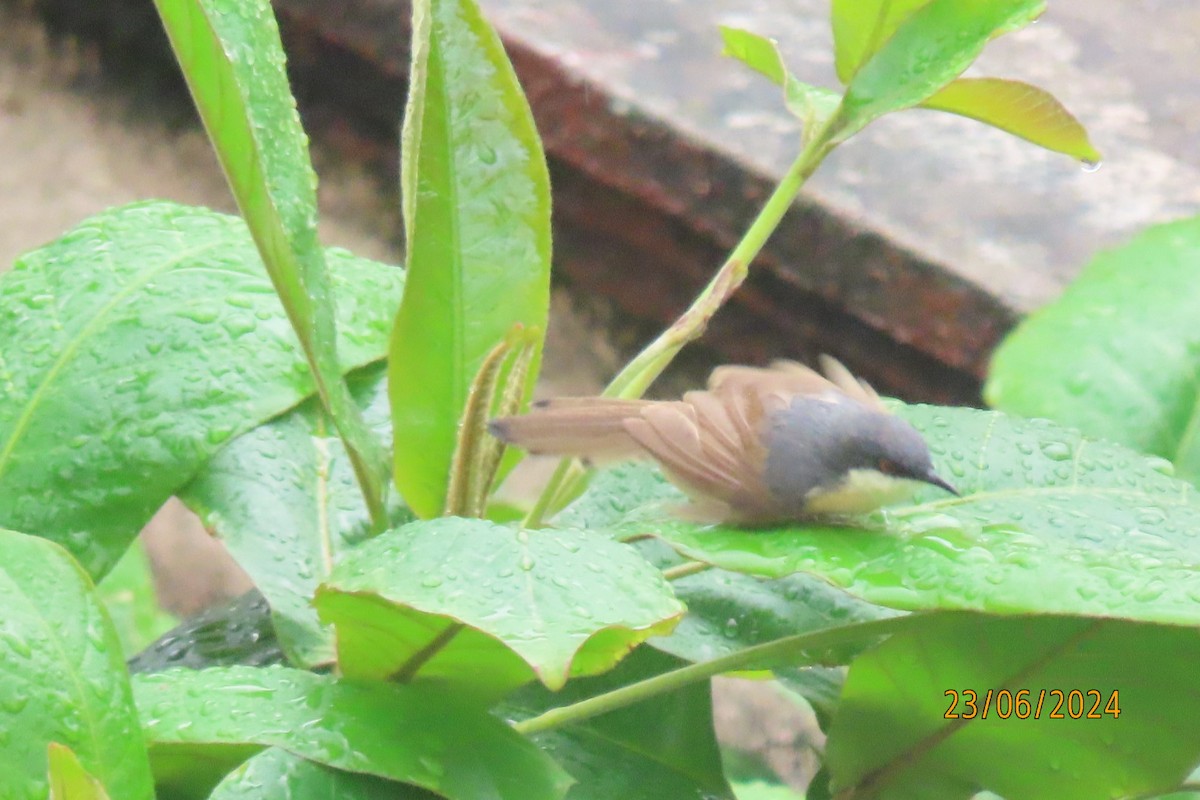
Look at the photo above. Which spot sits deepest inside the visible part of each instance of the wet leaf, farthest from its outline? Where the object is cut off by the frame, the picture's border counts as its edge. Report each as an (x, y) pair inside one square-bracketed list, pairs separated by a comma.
[(132, 349), (233, 61), (662, 747), (728, 611), (284, 501), (490, 607), (477, 222), (276, 774), (812, 105), (1117, 354), (238, 632), (201, 724), (892, 738), (63, 678), (1049, 522), (69, 780), (1020, 109), (927, 50)]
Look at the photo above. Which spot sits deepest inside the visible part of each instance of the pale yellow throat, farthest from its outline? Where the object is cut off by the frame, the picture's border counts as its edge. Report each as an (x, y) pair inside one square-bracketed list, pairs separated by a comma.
[(861, 491)]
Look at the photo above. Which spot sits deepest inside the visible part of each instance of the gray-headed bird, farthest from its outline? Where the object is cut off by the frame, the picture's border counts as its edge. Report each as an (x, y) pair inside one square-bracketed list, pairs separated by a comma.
[(758, 446)]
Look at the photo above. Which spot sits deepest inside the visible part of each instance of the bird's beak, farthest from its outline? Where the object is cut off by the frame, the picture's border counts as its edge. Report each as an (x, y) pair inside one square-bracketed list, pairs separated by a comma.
[(933, 478)]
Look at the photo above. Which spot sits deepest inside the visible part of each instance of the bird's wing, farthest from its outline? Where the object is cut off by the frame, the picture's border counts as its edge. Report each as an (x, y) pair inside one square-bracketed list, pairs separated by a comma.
[(855, 388), (788, 379), (592, 428), (711, 444)]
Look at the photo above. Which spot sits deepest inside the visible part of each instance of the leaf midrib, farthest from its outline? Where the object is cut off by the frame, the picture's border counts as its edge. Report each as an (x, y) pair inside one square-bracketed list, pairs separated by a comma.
[(83, 334)]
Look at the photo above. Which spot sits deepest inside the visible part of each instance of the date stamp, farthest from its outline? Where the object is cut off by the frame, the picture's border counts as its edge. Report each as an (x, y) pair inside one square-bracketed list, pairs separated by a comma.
[(1029, 704)]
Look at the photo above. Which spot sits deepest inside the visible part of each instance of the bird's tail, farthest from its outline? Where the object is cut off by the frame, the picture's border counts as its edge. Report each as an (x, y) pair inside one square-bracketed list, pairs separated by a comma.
[(592, 428)]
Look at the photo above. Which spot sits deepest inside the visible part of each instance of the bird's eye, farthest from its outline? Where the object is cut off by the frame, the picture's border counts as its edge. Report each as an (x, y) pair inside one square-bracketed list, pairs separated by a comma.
[(888, 467)]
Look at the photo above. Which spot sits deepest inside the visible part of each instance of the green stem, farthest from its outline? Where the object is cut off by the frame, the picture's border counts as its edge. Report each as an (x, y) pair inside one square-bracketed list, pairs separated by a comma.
[(541, 508), (366, 457), (638, 374), (694, 673)]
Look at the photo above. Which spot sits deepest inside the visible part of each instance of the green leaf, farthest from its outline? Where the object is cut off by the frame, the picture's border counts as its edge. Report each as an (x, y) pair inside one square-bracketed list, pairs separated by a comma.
[(195, 722), (891, 737), (283, 500), (276, 774), (69, 780), (491, 607), (1023, 110), (928, 50), (1117, 354), (662, 747), (135, 346), (129, 597), (861, 27), (812, 105), (233, 61), (63, 678), (237, 632), (1049, 522), (728, 611), (762, 790), (477, 222)]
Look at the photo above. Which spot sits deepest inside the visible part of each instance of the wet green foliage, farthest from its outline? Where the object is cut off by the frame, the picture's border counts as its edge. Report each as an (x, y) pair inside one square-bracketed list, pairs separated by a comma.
[(270, 383)]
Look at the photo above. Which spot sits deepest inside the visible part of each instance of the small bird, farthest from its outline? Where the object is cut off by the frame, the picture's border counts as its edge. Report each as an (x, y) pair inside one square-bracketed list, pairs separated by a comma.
[(758, 446)]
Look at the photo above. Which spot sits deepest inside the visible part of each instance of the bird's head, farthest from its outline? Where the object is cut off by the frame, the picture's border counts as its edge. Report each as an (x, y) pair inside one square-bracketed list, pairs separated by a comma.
[(845, 458)]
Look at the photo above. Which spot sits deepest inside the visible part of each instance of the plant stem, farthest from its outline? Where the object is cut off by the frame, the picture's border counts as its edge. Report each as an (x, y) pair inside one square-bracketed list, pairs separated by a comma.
[(638, 374), (677, 679), (683, 570)]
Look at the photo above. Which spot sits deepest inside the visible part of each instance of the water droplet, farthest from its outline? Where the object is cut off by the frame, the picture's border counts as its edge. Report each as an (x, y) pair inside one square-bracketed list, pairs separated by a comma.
[(1090, 166), (1056, 451), (1160, 465)]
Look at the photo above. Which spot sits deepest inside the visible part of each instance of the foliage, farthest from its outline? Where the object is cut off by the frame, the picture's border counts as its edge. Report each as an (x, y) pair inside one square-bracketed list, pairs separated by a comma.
[(160, 350)]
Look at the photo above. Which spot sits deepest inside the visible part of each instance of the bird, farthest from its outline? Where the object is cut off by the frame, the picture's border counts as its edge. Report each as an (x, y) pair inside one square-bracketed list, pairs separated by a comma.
[(759, 446)]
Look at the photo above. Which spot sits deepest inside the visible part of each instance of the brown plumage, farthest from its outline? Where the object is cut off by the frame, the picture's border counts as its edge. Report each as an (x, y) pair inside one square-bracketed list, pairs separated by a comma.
[(758, 445)]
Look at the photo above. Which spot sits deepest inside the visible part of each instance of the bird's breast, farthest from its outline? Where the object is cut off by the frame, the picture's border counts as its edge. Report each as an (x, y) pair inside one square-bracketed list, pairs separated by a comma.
[(860, 492)]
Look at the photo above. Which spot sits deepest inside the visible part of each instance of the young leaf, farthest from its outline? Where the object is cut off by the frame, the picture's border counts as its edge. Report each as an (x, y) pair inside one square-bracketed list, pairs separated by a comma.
[(283, 500), (927, 50), (662, 747), (196, 723), (1117, 354), (276, 774), (69, 780), (860, 27), (812, 105), (491, 607), (1129, 731), (63, 678), (133, 348), (1049, 522), (477, 222), (1020, 109), (234, 65)]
